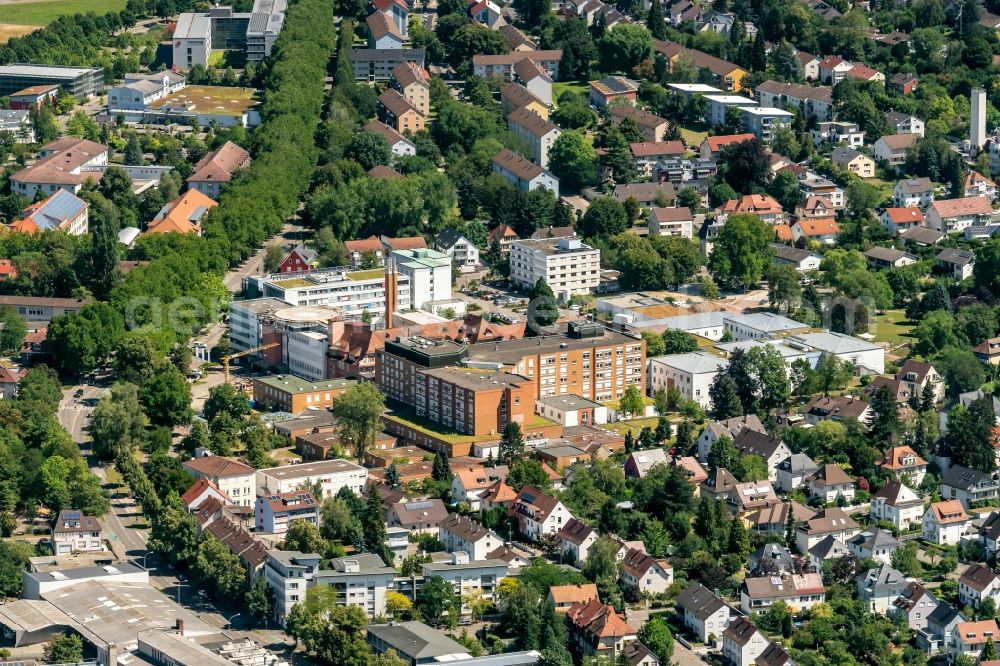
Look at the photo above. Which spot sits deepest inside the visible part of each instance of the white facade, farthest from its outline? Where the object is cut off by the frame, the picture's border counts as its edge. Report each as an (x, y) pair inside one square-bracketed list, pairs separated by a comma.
[(567, 265), (763, 121), (947, 534), (428, 272), (462, 252), (469, 577), (719, 105), (743, 650), (692, 374), (977, 124), (306, 351), (331, 475), (288, 575), (274, 514), (192, 40), (901, 514), (360, 580)]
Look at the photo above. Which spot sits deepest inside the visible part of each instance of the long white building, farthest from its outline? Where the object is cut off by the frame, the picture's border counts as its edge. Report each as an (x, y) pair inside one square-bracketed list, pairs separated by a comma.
[(332, 475), (691, 374)]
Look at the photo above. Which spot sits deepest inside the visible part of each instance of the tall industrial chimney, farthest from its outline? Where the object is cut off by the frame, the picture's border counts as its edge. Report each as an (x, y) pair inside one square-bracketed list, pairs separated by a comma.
[(391, 294)]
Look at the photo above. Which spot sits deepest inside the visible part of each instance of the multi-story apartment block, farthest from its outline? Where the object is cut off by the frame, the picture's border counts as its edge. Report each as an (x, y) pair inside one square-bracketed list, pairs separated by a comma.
[(691, 374), (288, 574), (522, 173), (274, 513), (462, 534), (468, 577), (414, 83), (378, 64), (329, 475), (816, 101), (652, 126), (536, 131), (428, 272), (764, 120), (486, 66), (360, 580), (398, 113), (61, 165), (568, 265), (588, 361)]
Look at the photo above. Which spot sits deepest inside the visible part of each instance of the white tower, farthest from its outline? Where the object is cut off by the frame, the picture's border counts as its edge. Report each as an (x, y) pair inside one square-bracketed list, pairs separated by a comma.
[(977, 129)]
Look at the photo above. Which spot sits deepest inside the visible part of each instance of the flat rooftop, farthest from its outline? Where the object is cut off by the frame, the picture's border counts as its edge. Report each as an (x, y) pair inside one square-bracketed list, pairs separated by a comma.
[(83, 573), (309, 469), (218, 100), (568, 401), (510, 352), (55, 71), (294, 384)]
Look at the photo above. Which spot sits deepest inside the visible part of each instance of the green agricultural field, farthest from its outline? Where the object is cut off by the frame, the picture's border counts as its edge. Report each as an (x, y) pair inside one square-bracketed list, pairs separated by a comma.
[(43, 12)]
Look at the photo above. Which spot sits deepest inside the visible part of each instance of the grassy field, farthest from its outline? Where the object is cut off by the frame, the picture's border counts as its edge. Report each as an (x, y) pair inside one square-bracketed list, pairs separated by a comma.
[(893, 327), (579, 87), (43, 12), (692, 138), (635, 425)]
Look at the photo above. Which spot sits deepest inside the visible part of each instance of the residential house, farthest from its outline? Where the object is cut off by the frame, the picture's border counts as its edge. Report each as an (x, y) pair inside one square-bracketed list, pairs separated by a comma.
[(360, 580), (299, 259), (469, 483), (827, 522), (715, 430), (772, 558), (763, 206), (945, 523), (899, 220), (485, 66), (834, 69), (383, 32), (840, 408), (903, 123), (799, 591), (916, 604), (648, 195), (640, 655), (395, 111), (288, 574), (853, 161), (803, 260), (794, 470), (539, 514), (950, 215), (920, 376), (575, 540), (989, 534), (829, 483), (641, 574), (897, 504), (75, 532), (236, 480), (217, 169), (874, 544), (978, 185), (968, 486), (723, 74), (563, 597), (468, 577), (763, 121), (743, 642), (711, 147), (970, 638), (464, 254), (977, 584), (821, 230), (838, 132), (461, 533), (913, 193), (536, 132), (988, 351), (880, 257), (957, 262), (941, 626), (892, 148), (503, 236), (487, 13), (768, 447), (828, 548), (879, 588), (772, 519), (397, 11), (419, 517), (903, 84), (745, 497), (199, 492), (595, 629), (639, 463), (704, 613)]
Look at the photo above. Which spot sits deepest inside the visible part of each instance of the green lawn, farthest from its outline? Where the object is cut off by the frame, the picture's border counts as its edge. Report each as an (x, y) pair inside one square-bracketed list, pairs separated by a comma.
[(692, 138), (893, 327), (44, 12), (579, 87), (635, 425)]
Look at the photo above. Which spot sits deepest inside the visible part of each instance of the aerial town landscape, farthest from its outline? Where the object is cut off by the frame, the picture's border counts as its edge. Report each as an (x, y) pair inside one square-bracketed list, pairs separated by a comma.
[(466, 332)]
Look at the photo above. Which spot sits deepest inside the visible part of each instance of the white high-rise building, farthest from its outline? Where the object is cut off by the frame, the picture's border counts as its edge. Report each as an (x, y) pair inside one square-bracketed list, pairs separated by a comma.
[(977, 128), (569, 266)]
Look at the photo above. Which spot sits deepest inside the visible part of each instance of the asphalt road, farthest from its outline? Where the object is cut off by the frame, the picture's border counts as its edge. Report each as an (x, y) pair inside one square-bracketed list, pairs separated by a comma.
[(74, 414)]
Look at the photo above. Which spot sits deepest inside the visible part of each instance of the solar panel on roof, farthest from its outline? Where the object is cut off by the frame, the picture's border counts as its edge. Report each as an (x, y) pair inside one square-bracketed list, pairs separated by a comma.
[(419, 505)]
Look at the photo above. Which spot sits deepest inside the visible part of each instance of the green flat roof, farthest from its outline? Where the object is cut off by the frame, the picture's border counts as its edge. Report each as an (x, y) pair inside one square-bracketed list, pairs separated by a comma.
[(292, 283), (294, 384), (366, 275)]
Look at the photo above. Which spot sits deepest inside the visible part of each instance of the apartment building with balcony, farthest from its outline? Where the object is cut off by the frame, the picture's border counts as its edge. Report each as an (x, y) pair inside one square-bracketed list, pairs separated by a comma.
[(288, 574), (468, 577), (568, 265)]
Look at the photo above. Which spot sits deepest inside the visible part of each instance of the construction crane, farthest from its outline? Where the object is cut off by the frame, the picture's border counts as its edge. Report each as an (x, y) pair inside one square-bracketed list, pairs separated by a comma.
[(246, 352)]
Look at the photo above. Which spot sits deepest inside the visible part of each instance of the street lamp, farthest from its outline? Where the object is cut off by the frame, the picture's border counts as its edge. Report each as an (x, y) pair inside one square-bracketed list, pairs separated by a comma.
[(179, 585), (230, 623), (144, 556)]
